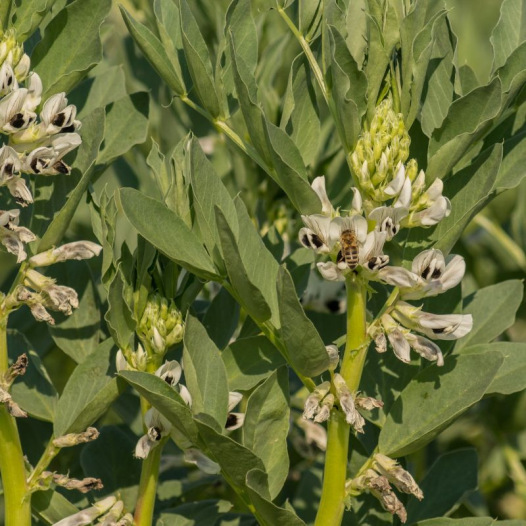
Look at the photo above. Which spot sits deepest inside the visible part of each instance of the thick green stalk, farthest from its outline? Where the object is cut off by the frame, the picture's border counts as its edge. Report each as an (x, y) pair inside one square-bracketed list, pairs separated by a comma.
[(16, 501), (148, 487), (330, 511)]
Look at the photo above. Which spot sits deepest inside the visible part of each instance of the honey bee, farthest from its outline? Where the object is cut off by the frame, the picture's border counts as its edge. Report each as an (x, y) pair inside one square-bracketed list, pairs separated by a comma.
[(349, 248)]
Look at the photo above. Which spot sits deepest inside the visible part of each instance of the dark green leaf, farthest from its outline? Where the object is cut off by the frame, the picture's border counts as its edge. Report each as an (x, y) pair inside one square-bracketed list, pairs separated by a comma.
[(440, 493), (89, 392), (433, 399), (221, 318), (119, 316), (250, 360)]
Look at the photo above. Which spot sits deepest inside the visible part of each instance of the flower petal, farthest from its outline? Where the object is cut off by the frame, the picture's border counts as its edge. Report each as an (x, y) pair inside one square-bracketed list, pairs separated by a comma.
[(330, 271), (318, 185)]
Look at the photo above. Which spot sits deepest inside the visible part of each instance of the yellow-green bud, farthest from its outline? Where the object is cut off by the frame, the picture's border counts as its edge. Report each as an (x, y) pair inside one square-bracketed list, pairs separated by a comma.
[(161, 324), (13, 52)]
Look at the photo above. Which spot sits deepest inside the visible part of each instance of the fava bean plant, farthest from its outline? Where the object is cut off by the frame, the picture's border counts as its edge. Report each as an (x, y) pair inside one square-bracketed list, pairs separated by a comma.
[(261, 262)]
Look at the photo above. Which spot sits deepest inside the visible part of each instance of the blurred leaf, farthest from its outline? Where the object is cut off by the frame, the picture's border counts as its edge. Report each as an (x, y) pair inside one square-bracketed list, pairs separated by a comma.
[(119, 316), (469, 521), (89, 392), (349, 87), (509, 32), (198, 61), (110, 458), (168, 233), (5, 8), (92, 133), (436, 397), (309, 14), (205, 373), (305, 349), (221, 318), (166, 400), (250, 360), (251, 297), (266, 427), (78, 335), (440, 495), (267, 510), (300, 114), (126, 126), (465, 119), (27, 16), (51, 506), (154, 51), (71, 45), (511, 376), (33, 392), (194, 513), (493, 309)]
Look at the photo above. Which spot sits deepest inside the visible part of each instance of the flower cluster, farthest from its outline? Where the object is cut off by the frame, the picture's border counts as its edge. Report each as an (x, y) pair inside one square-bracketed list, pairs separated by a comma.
[(378, 478), (391, 196), (32, 143), (105, 511)]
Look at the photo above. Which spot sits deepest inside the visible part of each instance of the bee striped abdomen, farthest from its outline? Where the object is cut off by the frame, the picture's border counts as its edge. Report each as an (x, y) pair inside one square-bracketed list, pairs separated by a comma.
[(349, 248)]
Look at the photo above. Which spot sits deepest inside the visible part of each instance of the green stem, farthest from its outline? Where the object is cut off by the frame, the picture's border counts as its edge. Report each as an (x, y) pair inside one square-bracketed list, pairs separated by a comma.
[(330, 511), (148, 487), (12, 468), (49, 454)]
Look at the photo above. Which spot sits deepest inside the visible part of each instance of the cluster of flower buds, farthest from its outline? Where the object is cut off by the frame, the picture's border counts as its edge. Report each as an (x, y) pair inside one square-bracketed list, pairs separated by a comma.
[(85, 485), (378, 479), (105, 512), (320, 402), (378, 162), (160, 326), (353, 246), (18, 368)]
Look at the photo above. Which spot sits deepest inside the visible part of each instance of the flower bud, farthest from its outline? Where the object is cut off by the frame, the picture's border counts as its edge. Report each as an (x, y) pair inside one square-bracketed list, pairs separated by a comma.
[(77, 250), (88, 515), (73, 439)]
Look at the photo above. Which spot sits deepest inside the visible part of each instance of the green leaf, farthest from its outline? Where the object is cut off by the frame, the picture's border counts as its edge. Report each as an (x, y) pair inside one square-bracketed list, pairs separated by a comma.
[(440, 495), (194, 513), (92, 133), (106, 86), (435, 397), (271, 514), (511, 171), (305, 349), (168, 233), (205, 373), (509, 32), (309, 15), (198, 60), (78, 335), (221, 318), (89, 392), (357, 29), (300, 114), (209, 191), (349, 88), (119, 316), (33, 392), (5, 8), (71, 45), (511, 377), (126, 126), (493, 309), (249, 294), (466, 118), (154, 51), (235, 460), (27, 16), (109, 458), (266, 427), (51, 506), (166, 400), (241, 26), (250, 360), (469, 521)]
